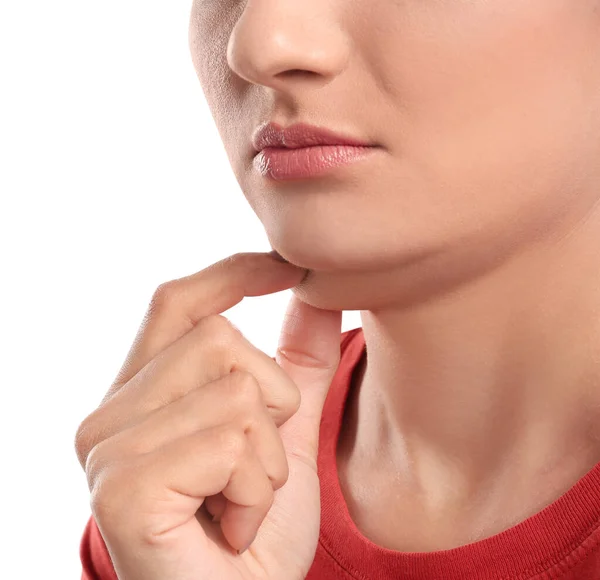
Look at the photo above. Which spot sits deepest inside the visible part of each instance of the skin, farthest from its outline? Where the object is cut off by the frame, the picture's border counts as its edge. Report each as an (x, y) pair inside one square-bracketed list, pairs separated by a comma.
[(468, 241)]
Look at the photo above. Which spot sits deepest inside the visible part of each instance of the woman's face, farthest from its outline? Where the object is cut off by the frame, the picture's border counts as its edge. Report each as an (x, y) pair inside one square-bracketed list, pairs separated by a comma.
[(485, 114)]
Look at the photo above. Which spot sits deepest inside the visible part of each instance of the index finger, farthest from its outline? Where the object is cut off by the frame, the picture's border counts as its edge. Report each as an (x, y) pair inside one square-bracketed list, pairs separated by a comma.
[(178, 305)]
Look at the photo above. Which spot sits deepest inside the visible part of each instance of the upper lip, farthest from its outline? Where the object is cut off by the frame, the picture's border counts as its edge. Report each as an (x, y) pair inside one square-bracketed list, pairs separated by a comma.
[(299, 135)]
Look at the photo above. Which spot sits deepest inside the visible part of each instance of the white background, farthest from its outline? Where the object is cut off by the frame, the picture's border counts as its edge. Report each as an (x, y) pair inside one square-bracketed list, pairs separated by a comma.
[(113, 179)]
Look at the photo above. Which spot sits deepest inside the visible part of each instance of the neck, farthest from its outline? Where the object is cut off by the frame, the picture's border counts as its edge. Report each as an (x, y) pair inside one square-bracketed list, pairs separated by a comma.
[(493, 382)]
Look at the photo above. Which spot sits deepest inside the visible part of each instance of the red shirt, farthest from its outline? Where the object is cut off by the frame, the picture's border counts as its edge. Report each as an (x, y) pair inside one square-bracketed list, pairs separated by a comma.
[(561, 541)]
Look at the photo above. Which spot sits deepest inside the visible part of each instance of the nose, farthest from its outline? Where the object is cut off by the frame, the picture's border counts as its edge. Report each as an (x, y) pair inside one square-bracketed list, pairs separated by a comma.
[(281, 43)]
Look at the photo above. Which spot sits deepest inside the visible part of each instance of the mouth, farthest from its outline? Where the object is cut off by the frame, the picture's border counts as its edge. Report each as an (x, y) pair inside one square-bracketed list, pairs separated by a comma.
[(302, 150), (280, 163)]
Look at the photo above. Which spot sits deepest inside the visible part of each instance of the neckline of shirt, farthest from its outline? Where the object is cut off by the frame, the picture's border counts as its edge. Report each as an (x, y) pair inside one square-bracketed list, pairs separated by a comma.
[(556, 538)]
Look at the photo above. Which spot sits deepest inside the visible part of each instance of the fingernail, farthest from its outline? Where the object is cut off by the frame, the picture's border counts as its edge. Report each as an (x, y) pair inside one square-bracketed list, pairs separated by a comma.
[(247, 546)]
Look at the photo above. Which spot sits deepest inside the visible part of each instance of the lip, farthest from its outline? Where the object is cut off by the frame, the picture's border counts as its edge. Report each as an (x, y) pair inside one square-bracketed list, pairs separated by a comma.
[(303, 150), (299, 135), (282, 164)]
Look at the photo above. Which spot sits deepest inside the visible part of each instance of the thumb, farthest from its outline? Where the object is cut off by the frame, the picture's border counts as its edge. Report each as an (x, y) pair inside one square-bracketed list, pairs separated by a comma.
[(309, 352)]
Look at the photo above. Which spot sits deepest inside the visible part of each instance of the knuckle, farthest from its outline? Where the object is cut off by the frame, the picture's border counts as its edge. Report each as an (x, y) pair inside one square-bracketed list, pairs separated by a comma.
[(164, 296), (241, 258), (80, 441), (246, 390), (96, 458), (84, 440), (107, 494), (218, 326), (234, 258), (121, 502)]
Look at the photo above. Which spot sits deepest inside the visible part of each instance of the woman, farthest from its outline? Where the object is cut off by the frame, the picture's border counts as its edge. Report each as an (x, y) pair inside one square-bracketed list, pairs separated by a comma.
[(435, 166)]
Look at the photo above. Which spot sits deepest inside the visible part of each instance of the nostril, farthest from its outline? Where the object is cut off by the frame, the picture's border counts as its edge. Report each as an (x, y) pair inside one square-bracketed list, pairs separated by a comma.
[(297, 72)]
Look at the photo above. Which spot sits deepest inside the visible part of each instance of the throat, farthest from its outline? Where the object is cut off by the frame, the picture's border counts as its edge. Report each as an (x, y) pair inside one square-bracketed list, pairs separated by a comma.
[(390, 508)]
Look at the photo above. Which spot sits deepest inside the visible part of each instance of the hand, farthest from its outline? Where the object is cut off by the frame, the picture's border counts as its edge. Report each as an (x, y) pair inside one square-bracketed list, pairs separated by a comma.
[(200, 423)]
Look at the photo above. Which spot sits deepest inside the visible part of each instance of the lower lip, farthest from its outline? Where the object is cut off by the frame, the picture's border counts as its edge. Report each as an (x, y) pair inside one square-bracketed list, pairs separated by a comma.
[(281, 163)]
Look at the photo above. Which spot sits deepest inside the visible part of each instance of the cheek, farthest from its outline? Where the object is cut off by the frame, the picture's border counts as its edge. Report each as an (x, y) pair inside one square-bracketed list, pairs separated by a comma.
[(497, 105), (210, 27)]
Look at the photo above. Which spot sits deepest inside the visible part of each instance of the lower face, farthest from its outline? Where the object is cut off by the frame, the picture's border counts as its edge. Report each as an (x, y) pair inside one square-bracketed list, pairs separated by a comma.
[(485, 116)]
